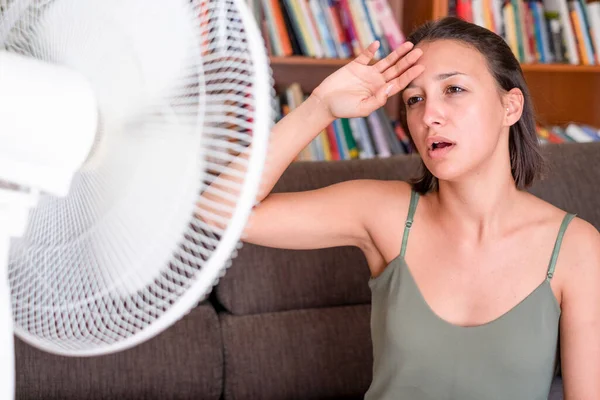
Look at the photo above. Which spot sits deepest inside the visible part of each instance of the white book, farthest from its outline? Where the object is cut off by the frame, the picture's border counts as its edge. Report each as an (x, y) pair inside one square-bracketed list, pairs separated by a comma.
[(478, 18), (578, 134), (594, 19)]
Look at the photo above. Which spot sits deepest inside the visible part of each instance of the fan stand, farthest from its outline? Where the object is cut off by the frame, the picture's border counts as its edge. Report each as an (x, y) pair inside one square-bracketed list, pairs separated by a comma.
[(14, 209), (7, 356)]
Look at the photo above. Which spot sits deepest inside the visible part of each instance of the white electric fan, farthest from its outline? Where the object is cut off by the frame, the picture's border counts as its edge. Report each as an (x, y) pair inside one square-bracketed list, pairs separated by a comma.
[(116, 118)]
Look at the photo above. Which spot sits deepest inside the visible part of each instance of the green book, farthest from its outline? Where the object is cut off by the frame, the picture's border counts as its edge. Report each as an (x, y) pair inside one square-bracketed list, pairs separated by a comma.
[(352, 149)]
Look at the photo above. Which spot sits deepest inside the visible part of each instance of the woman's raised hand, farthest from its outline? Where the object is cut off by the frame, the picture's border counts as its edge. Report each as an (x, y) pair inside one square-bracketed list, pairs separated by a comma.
[(358, 89)]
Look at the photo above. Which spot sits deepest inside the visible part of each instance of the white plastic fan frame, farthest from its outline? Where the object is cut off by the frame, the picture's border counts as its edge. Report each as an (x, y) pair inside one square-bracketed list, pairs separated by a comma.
[(211, 271), (220, 258)]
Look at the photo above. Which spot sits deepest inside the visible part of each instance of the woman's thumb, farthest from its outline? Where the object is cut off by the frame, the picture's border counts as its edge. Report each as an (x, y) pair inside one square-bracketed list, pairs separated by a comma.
[(379, 98), (384, 93)]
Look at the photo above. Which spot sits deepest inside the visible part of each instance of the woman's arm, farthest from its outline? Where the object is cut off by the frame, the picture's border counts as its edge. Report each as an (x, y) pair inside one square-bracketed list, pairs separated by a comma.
[(330, 216), (580, 321)]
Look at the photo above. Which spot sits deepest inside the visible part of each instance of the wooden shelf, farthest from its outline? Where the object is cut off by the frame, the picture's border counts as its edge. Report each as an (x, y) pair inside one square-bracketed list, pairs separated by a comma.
[(558, 68), (309, 61), (306, 71), (564, 93)]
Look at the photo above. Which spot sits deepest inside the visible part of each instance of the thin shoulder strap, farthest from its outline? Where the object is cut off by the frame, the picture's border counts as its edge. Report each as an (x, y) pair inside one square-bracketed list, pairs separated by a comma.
[(563, 227), (414, 199)]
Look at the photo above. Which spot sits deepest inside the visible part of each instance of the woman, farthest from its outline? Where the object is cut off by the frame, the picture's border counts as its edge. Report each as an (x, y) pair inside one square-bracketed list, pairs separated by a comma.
[(473, 278)]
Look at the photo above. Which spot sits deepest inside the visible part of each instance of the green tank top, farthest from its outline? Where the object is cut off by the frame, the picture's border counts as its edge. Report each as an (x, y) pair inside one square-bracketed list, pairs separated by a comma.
[(419, 356)]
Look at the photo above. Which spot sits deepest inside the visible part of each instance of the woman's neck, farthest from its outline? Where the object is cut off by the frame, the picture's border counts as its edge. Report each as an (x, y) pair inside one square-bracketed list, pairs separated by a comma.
[(479, 207)]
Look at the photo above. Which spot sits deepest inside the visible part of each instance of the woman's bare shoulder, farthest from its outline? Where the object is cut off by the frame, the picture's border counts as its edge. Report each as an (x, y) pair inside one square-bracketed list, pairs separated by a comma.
[(581, 246), (580, 243), (579, 230)]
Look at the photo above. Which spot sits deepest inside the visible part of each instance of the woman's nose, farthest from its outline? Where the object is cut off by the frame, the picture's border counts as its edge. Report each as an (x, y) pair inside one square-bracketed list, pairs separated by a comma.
[(434, 113)]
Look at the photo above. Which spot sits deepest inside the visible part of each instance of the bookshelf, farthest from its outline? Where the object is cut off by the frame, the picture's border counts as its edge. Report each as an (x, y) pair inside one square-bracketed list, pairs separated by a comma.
[(562, 93)]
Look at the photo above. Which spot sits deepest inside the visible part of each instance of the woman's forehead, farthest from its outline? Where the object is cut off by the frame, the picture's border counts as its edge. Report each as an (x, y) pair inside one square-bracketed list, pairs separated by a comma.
[(448, 57), (449, 53)]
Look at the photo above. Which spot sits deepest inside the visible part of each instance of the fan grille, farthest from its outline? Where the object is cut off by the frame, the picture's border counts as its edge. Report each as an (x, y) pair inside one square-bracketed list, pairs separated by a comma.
[(129, 250)]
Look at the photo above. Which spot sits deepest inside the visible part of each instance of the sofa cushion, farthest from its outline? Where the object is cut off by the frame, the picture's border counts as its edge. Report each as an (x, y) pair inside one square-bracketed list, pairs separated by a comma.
[(300, 354), (573, 179), (266, 280), (183, 362)]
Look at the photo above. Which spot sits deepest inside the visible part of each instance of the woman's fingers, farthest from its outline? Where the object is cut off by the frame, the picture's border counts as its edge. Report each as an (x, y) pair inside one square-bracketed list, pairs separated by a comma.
[(390, 89), (401, 82), (367, 54), (393, 57), (404, 64)]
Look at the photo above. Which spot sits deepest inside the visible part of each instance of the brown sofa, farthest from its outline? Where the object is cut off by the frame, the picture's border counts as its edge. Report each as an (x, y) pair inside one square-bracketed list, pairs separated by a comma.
[(281, 324)]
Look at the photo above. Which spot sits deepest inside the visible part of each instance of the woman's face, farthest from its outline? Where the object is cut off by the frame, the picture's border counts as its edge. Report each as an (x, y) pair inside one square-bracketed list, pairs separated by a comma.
[(454, 110)]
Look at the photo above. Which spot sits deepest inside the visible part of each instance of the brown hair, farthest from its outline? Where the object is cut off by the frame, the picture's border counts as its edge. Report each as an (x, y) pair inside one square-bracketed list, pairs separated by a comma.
[(525, 155)]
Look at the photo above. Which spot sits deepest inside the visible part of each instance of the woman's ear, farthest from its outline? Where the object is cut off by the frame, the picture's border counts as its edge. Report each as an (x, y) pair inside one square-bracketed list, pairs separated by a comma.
[(513, 106)]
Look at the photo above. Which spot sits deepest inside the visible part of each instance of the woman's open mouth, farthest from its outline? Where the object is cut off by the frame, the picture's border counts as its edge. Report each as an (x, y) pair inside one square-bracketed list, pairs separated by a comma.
[(440, 148)]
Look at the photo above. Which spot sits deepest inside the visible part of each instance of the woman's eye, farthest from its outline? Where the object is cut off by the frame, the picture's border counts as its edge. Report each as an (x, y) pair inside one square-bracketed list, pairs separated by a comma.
[(413, 100), (454, 89)]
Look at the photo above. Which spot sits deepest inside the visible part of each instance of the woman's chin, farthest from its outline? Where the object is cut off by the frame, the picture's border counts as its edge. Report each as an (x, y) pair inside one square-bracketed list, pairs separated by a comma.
[(446, 172)]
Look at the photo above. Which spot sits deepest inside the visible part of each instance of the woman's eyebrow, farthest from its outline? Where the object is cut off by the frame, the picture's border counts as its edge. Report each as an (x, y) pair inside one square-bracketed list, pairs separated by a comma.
[(439, 77)]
